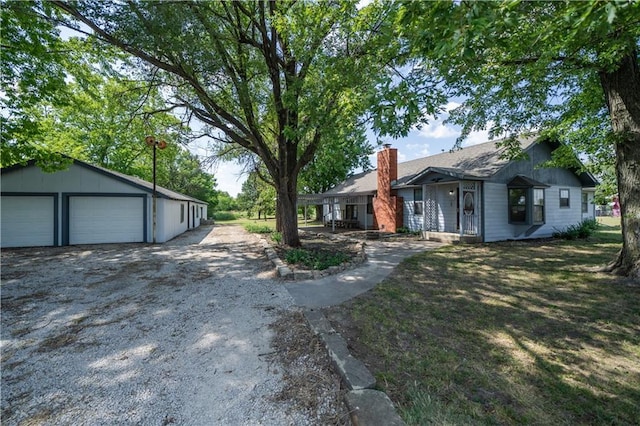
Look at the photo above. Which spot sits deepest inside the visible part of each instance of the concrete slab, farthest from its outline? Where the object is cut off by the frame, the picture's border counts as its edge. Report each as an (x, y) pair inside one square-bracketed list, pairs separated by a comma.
[(354, 373), (335, 289), (370, 407)]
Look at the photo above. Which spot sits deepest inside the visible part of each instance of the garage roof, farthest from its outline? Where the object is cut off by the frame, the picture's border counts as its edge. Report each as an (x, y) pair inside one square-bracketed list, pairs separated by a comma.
[(131, 180)]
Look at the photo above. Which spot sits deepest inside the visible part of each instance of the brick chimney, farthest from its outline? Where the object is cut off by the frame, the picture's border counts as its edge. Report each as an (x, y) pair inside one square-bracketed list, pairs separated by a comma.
[(387, 208)]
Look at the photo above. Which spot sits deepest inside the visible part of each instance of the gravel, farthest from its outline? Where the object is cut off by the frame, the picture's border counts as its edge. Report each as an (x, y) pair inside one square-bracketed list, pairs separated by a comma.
[(177, 333)]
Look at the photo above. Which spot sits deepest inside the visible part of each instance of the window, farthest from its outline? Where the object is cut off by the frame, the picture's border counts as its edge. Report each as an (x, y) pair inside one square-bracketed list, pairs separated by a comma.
[(518, 205), (201, 211), (181, 213), (417, 201), (352, 212), (197, 213), (369, 204), (538, 205), (585, 202), (526, 206), (564, 198)]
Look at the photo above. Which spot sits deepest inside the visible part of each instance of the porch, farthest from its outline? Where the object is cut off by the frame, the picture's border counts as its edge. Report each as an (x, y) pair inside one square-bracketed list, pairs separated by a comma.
[(341, 211), (451, 211), (450, 237)]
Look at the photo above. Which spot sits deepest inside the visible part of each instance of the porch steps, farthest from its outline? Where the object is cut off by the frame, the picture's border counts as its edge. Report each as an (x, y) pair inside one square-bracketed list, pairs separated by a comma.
[(450, 237)]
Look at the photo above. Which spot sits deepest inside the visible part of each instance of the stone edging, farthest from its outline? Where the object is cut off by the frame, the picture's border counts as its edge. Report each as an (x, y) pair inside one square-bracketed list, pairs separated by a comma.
[(367, 406), (284, 271)]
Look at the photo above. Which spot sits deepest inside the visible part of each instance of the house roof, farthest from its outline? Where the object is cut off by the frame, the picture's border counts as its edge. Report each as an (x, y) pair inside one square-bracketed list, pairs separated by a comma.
[(131, 180), (479, 162)]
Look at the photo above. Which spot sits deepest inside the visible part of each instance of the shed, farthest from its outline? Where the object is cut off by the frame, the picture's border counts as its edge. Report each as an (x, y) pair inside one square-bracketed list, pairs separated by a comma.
[(87, 204)]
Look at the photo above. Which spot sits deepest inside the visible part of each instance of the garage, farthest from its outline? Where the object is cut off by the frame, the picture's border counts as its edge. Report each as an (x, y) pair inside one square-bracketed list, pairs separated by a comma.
[(105, 219), (28, 220), (87, 204)]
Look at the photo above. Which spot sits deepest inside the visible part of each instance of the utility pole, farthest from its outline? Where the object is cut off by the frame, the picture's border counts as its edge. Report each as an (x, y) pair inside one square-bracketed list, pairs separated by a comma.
[(155, 144)]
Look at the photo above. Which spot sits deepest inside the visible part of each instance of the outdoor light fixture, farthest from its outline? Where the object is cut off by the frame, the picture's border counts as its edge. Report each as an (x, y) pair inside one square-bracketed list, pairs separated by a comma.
[(451, 192), (156, 144)]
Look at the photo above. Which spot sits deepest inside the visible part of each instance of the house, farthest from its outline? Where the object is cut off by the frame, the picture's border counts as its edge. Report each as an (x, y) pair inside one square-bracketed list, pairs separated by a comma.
[(472, 194), (86, 204)]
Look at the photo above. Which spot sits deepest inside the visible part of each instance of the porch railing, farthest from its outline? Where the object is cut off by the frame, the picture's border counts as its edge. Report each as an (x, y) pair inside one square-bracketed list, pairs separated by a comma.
[(470, 224)]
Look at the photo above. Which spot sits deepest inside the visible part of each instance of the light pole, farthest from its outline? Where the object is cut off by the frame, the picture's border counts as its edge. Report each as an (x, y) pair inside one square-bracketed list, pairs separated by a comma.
[(151, 141)]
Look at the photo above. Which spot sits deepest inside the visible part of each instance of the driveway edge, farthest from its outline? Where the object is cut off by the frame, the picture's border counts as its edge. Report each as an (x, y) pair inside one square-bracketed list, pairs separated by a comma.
[(367, 406)]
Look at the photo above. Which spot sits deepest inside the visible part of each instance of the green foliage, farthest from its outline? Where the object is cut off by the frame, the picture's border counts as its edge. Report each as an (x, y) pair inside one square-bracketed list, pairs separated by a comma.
[(294, 81), (226, 202), (316, 260), (276, 237), (582, 230), (566, 70), (258, 229), (257, 196), (224, 216), (32, 71)]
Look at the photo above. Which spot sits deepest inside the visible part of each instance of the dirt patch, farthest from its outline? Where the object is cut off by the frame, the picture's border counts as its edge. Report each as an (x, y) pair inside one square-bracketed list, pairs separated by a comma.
[(309, 379)]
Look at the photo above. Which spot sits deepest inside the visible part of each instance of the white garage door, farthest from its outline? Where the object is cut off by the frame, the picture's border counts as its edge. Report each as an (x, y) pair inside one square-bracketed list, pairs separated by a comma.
[(27, 221), (96, 220)]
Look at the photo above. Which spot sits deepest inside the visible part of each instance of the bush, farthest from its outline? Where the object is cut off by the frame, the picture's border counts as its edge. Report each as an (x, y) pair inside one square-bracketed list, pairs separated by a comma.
[(276, 237), (582, 230), (258, 229), (224, 216), (314, 259)]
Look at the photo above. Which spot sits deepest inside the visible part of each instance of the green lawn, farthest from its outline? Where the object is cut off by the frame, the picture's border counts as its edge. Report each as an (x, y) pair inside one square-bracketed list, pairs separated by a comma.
[(240, 218), (505, 333)]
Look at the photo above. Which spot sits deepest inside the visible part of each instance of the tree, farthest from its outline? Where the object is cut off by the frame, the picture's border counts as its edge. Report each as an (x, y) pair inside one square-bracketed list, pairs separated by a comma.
[(568, 70), (276, 78), (30, 49)]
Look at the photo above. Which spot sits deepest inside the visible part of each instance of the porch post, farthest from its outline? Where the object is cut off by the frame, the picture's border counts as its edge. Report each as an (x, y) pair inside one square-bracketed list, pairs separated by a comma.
[(366, 204), (333, 214), (460, 208)]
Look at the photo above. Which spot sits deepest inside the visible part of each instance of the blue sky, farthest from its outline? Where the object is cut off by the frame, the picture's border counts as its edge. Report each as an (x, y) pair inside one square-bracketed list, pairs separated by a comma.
[(429, 140)]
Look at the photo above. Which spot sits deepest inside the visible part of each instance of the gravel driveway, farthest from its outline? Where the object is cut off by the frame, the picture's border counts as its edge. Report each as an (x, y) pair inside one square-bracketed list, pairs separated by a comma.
[(139, 334)]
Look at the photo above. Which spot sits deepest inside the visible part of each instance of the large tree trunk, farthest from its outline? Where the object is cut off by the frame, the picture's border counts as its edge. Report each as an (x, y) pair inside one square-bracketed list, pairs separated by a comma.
[(287, 202), (622, 90)]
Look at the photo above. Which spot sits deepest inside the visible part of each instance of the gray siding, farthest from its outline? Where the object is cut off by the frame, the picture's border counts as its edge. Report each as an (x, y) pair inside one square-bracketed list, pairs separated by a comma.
[(411, 221), (538, 153), (496, 223)]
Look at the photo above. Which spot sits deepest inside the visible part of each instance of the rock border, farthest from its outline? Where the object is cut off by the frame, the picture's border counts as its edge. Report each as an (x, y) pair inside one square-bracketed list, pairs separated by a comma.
[(367, 406), (286, 272)]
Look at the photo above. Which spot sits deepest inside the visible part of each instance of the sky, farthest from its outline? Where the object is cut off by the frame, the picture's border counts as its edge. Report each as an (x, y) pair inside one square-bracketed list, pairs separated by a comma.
[(431, 139)]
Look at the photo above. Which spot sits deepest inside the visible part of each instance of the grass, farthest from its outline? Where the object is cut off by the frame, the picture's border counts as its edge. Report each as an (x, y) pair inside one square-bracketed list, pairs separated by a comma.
[(505, 333)]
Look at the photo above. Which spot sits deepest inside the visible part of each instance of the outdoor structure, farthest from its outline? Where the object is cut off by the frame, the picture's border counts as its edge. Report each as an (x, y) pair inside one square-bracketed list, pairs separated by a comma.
[(86, 204), (473, 194)]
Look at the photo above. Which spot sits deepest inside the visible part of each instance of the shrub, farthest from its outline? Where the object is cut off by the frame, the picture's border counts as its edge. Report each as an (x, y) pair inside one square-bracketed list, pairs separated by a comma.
[(276, 237), (258, 229), (314, 259), (584, 229), (224, 216)]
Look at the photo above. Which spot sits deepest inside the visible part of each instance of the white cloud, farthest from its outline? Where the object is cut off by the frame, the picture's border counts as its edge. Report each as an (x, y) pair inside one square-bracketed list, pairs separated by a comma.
[(479, 136), (451, 105), (437, 130), (419, 150), (229, 178)]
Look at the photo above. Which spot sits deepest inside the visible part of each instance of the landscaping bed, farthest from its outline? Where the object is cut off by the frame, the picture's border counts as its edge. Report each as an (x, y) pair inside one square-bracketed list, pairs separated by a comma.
[(319, 252)]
